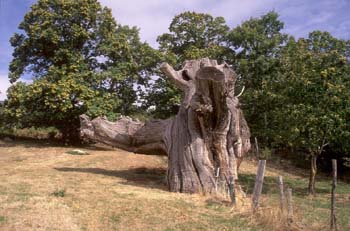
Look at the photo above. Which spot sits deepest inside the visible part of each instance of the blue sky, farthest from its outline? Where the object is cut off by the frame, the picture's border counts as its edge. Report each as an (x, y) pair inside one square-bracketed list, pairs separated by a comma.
[(154, 16)]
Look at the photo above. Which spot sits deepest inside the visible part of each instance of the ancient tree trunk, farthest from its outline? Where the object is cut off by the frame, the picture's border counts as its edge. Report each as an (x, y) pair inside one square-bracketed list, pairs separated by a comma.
[(126, 133), (209, 131)]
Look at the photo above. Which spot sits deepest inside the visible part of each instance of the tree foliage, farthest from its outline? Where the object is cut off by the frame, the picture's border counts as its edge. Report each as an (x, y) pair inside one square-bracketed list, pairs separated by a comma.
[(313, 98), (258, 42), (191, 36), (194, 35), (81, 61), (313, 92)]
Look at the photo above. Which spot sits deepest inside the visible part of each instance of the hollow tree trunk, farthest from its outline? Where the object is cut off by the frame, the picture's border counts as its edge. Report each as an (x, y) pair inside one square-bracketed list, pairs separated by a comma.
[(313, 172), (208, 133)]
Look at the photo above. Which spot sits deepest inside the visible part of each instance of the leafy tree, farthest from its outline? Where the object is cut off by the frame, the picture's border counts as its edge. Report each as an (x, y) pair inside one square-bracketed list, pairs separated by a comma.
[(313, 98), (81, 61), (257, 42), (195, 35), (129, 68), (191, 36)]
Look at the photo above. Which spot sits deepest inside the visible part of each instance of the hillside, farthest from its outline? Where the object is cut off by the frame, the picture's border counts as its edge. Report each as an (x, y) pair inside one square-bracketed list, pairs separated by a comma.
[(42, 187)]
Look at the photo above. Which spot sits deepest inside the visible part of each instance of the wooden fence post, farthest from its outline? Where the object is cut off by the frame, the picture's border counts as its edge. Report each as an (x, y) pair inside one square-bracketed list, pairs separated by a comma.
[(334, 184), (258, 184), (280, 186), (289, 205), (256, 148)]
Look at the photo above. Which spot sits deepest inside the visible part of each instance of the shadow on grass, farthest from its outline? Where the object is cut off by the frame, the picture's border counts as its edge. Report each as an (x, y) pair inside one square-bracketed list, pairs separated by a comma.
[(145, 177), (289, 167), (155, 178), (30, 143), (270, 185), (44, 143)]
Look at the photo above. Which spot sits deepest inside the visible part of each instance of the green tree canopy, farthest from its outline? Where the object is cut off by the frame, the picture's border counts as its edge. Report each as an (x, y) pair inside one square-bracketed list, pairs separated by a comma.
[(313, 108), (257, 42), (312, 92), (81, 61), (191, 36), (195, 35)]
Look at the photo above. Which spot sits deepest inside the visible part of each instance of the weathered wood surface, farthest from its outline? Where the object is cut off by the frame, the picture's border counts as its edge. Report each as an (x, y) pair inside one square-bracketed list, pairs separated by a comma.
[(258, 184), (334, 185), (126, 133), (280, 186), (256, 148), (289, 206), (208, 132)]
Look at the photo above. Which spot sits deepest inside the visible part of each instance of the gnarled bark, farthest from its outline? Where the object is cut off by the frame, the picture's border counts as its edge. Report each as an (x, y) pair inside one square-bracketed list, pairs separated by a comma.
[(208, 133)]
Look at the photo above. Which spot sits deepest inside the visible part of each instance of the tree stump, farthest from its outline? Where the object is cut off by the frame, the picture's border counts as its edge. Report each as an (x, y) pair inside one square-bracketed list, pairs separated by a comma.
[(209, 132)]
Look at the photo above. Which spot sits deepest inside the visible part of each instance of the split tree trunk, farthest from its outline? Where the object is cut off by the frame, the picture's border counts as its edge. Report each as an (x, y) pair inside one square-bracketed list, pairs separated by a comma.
[(209, 131)]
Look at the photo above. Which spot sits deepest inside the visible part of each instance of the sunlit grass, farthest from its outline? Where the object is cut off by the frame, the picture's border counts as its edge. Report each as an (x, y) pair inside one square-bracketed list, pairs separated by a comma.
[(117, 190)]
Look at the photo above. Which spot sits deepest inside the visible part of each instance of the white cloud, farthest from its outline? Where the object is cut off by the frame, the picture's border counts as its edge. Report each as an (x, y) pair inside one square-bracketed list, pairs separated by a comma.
[(4, 84), (302, 17), (237, 11), (153, 17)]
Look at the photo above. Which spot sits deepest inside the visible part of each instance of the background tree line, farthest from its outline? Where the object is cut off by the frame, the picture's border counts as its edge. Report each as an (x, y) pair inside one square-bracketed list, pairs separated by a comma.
[(82, 61)]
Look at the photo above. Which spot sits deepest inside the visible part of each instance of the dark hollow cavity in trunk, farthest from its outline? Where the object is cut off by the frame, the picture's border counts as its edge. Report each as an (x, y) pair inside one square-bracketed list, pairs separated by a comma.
[(208, 135)]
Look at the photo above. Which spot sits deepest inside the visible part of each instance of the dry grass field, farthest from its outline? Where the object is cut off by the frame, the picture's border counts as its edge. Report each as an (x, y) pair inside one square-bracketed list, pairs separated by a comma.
[(42, 187)]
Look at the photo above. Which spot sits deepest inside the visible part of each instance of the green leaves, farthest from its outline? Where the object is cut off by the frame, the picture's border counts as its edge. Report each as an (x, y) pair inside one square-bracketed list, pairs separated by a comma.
[(193, 35), (312, 87), (258, 42), (81, 61)]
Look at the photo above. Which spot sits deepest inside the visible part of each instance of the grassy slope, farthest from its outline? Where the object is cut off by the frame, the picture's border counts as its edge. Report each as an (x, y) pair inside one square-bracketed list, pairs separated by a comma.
[(44, 188)]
